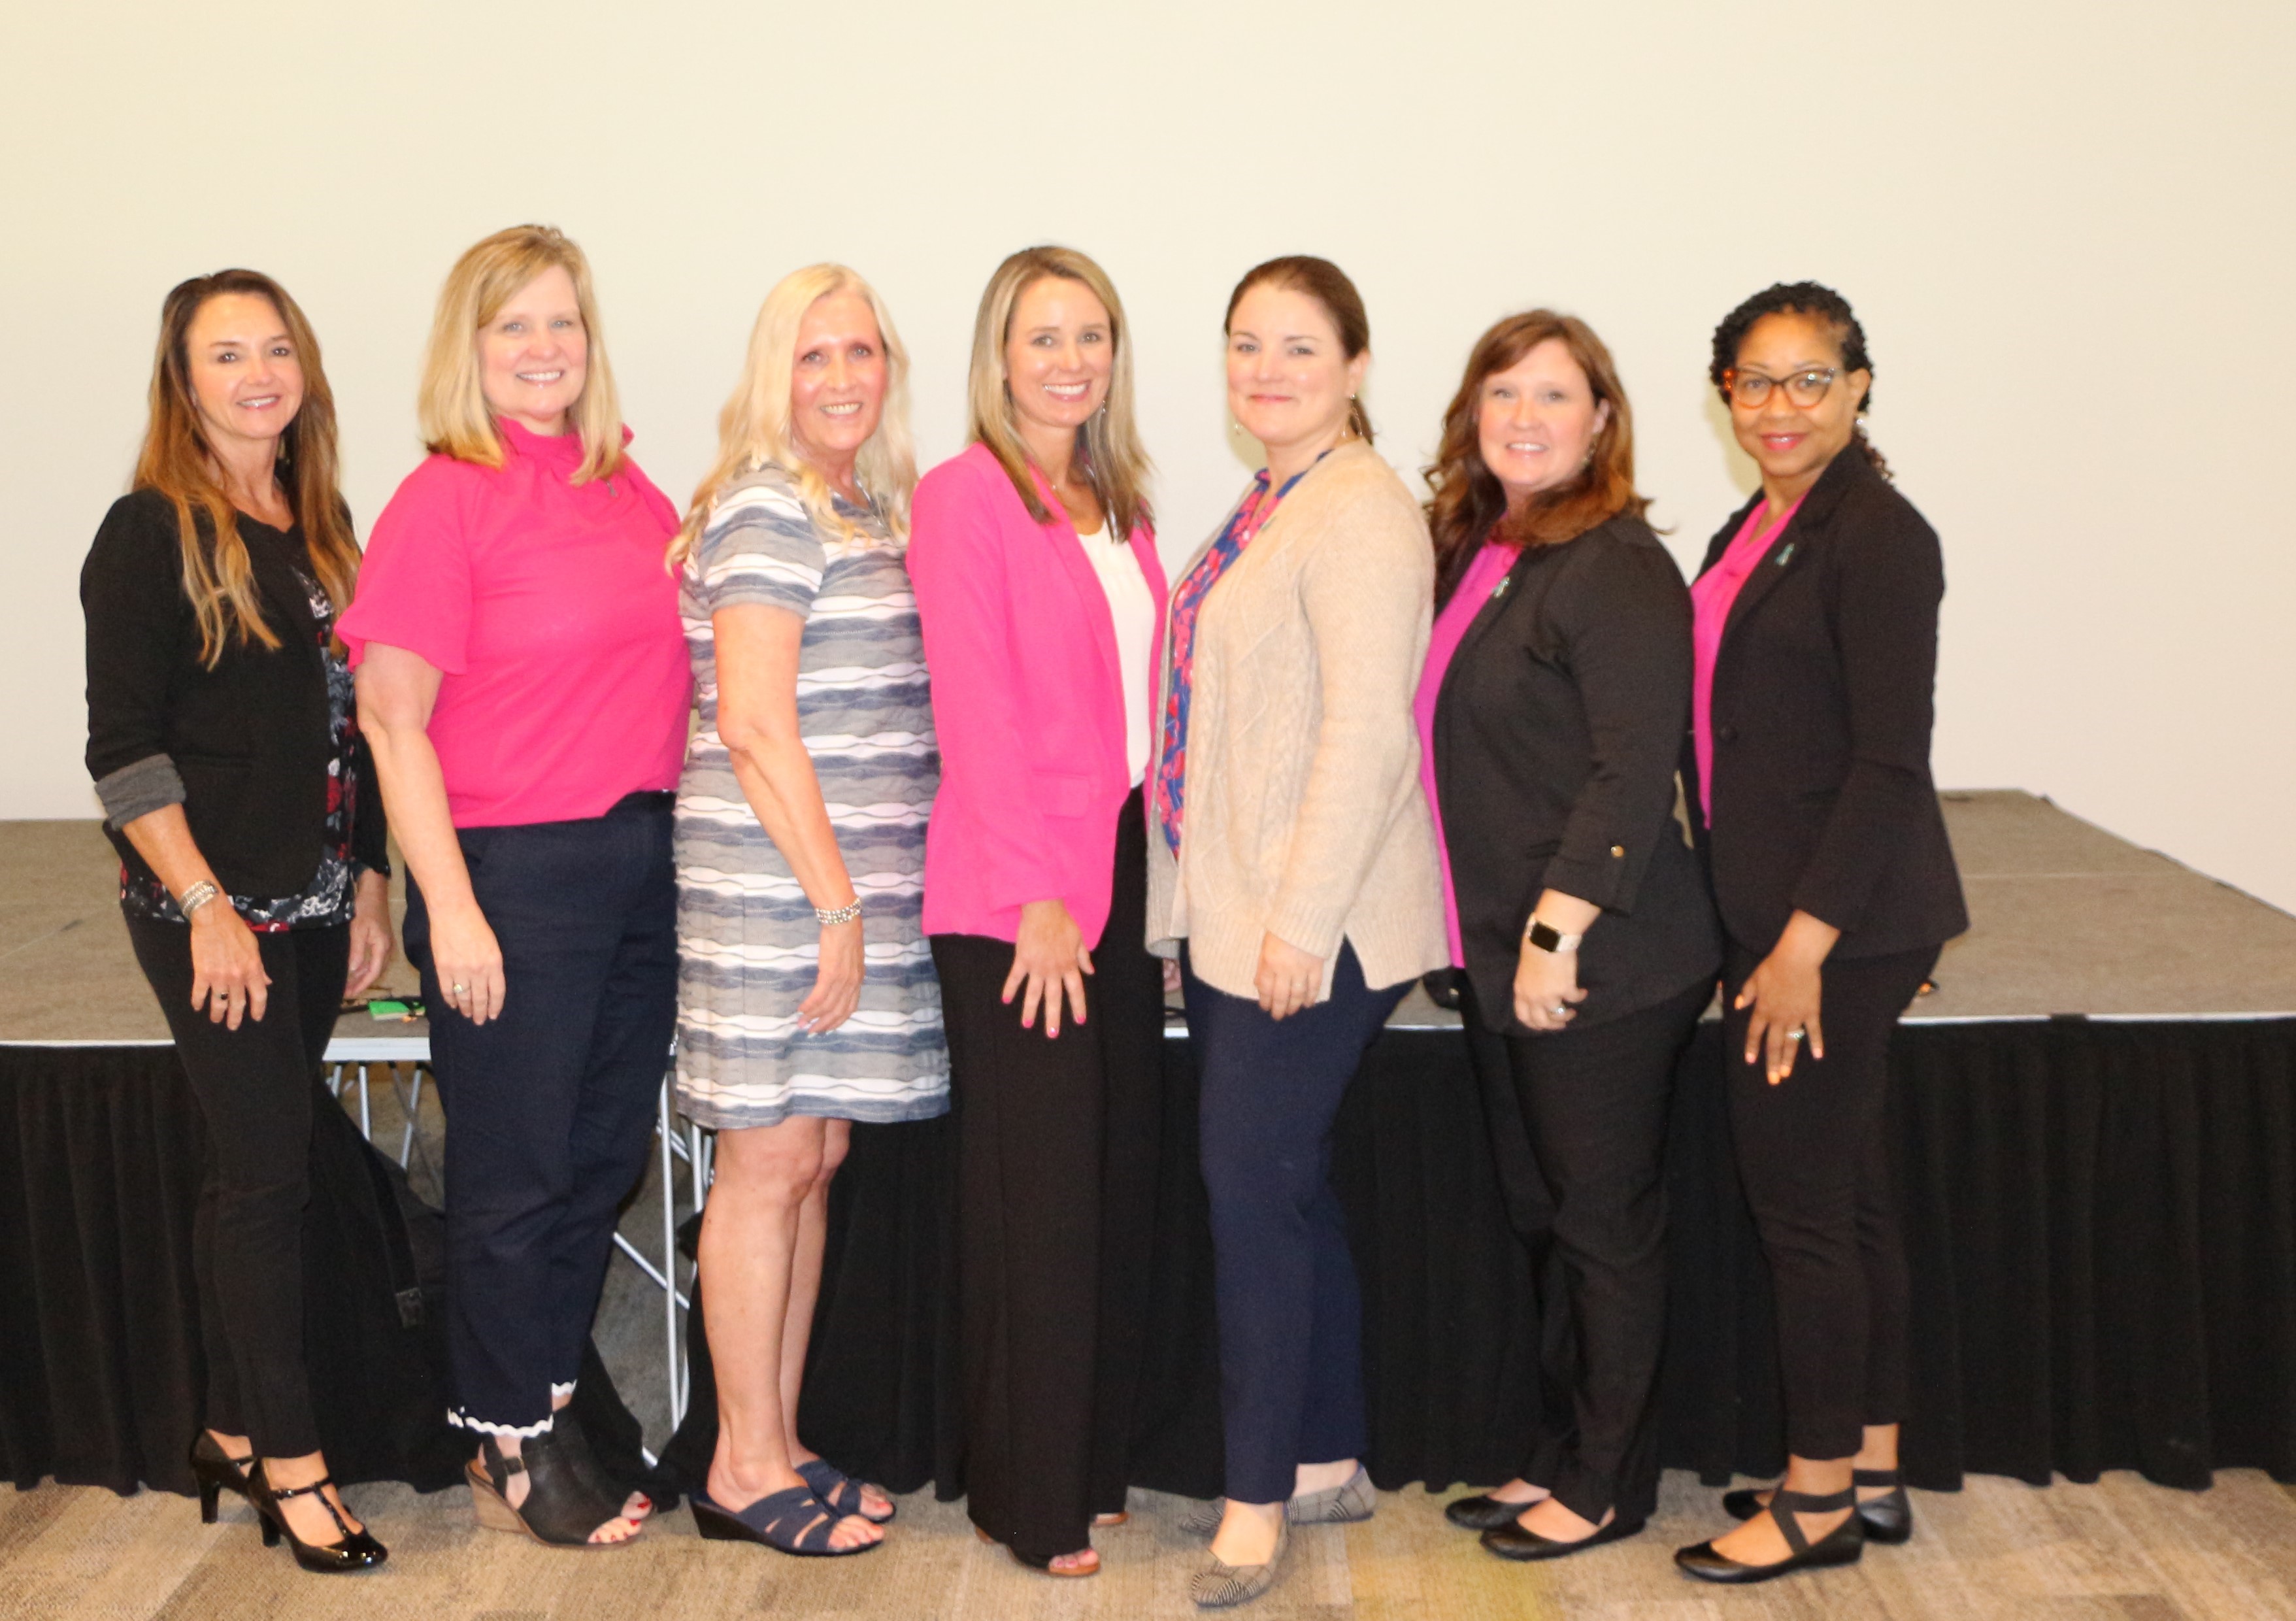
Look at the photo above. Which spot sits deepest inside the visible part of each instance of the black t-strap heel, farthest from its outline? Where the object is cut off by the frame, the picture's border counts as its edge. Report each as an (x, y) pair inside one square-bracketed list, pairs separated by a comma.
[(356, 1550)]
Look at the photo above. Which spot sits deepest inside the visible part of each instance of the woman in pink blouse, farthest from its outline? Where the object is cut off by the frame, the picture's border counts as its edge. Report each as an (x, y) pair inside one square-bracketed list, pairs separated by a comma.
[(523, 675)]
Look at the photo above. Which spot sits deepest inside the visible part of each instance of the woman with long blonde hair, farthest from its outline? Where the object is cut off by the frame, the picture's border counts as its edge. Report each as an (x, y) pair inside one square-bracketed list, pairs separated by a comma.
[(225, 744), (519, 656), (803, 802), (1041, 595)]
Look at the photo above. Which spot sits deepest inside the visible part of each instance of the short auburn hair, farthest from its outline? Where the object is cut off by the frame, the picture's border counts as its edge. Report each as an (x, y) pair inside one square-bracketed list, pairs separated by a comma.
[(1470, 505)]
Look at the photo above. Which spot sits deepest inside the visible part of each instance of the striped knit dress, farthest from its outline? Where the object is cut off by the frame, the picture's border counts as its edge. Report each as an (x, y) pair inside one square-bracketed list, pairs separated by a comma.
[(749, 946)]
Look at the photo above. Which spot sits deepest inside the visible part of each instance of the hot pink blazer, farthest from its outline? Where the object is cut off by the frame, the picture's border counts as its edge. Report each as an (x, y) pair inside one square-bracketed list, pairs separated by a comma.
[(1027, 698)]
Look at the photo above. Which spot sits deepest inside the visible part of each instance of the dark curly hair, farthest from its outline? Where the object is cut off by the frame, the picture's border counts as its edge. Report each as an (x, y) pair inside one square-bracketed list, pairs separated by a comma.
[(1820, 303)]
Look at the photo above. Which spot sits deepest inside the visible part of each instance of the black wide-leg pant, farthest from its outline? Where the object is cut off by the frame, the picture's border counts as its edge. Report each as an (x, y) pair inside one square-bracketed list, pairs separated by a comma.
[(550, 1105), (1057, 1148), (1813, 1155), (1579, 1122), (257, 1087), (1291, 1312)]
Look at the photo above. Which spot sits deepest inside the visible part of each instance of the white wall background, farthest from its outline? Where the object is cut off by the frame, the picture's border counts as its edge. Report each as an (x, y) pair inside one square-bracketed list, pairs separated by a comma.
[(2066, 226)]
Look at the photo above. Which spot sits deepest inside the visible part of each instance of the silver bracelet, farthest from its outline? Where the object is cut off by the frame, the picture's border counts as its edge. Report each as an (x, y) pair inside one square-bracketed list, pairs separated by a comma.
[(847, 913), (198, 896)]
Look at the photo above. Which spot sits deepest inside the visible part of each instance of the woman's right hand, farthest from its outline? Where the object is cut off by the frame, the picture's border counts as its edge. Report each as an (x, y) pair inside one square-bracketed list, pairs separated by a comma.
[(837, 987), (226, 966), (468, 962), (1049, 959)]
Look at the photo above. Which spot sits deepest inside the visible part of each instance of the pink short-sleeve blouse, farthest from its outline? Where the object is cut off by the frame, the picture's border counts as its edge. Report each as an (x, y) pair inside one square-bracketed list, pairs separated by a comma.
[(547, 606)]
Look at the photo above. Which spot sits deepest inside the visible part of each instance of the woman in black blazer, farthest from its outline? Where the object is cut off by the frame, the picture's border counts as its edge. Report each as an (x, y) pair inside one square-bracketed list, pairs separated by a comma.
[(1554, 702), (1817, 618), (223, 740)]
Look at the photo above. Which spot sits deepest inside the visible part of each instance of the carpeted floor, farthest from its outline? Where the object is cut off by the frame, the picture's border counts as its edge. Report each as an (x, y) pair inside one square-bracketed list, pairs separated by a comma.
[(2119, 1550)]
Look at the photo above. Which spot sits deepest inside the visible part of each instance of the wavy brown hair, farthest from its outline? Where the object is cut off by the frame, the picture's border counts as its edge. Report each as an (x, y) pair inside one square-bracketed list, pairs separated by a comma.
[(178, 462), (1470, 505)]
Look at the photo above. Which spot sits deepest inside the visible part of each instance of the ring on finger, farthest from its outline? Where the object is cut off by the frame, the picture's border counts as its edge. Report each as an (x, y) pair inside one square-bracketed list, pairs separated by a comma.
[(1796, 1034)]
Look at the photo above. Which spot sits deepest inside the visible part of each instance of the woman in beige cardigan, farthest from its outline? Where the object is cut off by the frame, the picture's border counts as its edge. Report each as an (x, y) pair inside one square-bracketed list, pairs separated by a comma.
[(1292, 862)]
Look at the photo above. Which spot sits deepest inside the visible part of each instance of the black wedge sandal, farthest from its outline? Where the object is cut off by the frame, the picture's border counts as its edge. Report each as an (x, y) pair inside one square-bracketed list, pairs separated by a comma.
[(1845, 1545), (1888, 1519), (356, 1549), (561, 1509), (217, 1472)]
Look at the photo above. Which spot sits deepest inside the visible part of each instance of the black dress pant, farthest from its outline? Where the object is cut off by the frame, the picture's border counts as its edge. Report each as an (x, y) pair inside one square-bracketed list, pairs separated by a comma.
[(1813, 1155), (1579, 1122), (257, 1086), (550, 1104), (1057, 1149), (1291, 1312)]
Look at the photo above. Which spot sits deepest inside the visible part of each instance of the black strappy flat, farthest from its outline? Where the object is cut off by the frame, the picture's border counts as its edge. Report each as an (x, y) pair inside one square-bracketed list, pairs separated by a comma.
[(1888, 1519), (1845, 1545)]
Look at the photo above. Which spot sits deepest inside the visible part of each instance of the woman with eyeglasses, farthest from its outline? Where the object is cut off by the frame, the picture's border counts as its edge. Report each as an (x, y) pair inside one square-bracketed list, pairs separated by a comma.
[(1815, 654)]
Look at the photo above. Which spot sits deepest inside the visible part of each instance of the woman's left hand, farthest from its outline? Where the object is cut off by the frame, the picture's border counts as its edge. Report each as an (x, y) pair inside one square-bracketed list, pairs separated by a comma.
[(371, 944), (1546, 986), (1287, 978), (1784, 993)]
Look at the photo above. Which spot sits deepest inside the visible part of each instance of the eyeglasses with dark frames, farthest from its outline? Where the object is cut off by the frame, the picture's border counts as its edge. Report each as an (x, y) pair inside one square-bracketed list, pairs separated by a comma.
[(1803, 388)]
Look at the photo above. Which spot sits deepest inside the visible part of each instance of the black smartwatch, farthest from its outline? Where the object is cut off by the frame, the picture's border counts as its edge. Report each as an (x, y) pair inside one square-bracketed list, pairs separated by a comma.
[(1547, 940)]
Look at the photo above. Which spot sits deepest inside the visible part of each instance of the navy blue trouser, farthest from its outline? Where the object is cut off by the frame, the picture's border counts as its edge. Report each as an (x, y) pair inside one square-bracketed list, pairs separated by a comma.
[(550, 1105), (1291, 1316)]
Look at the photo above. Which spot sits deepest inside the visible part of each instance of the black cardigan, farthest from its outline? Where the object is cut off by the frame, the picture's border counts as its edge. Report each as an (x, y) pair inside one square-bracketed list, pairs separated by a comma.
[(1558, 730), (1823, 801), (244, 748)]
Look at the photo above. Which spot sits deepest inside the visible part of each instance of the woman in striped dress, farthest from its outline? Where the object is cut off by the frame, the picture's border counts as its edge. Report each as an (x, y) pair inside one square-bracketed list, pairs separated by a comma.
[(807, 998)]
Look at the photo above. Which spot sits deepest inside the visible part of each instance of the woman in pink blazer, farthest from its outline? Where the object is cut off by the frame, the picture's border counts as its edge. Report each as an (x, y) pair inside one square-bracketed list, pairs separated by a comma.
[(1041, 600)]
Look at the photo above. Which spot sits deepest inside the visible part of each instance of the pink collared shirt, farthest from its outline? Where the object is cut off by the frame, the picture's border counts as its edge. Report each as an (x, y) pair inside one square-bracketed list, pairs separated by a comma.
[(547, 608), (1711, 595)]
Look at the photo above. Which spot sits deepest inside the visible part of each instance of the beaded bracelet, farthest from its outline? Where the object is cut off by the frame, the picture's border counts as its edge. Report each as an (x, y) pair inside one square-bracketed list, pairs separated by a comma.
[(198, 896), (848, 912)]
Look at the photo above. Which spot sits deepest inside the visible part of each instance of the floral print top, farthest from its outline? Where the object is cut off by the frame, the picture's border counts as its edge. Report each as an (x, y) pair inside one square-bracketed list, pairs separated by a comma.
[(1172, 757), (327, 901)]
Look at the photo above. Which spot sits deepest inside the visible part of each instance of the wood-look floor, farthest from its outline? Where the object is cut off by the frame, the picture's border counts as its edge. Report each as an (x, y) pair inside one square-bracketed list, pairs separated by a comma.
[(2118, 1551)]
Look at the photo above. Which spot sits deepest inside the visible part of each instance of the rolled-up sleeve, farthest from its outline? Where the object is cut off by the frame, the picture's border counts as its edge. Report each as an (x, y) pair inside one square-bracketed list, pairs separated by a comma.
[(131, 597)]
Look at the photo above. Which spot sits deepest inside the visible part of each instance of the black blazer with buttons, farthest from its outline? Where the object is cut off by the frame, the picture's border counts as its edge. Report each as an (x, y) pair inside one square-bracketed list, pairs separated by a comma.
[(1558, 732), (1823, 705)]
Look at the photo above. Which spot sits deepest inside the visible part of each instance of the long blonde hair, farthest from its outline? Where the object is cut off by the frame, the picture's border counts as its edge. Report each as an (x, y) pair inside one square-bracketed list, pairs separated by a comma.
[(753, 429), (178, 462), (453, 404), (1108, 448)]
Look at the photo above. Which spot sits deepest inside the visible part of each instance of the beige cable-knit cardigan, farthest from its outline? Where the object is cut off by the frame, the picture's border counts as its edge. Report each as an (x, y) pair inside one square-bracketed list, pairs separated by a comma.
[(1303, 811)]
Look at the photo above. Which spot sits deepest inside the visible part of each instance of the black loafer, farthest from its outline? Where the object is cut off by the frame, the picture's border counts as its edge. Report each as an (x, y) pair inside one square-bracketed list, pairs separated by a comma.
[(1887, 1520), (1482, 1513), (1511, 1542), (1845, 1545)]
